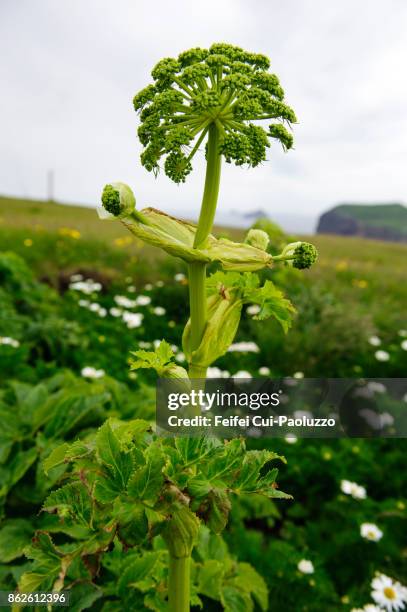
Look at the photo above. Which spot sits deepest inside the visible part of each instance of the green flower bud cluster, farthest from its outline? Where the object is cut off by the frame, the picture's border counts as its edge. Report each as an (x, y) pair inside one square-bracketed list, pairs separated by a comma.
[(118, 199), (301, 255), (223, 86)]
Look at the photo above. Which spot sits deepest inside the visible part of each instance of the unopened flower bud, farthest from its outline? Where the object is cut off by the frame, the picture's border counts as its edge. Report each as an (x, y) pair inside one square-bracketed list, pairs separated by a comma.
[(257, 238), (118, 199)]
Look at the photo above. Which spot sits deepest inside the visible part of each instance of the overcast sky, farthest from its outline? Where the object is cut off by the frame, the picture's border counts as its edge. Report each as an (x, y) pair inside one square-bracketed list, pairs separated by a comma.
[(69, 70)]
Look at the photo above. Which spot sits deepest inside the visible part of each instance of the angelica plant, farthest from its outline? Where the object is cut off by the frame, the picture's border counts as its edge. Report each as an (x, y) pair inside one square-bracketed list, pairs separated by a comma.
[(127, 484), (225, 99)]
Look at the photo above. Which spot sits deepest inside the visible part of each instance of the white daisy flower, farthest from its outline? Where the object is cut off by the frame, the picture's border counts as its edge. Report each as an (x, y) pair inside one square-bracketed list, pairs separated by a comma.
[(264, 371), (376, 387), (215, 372), (305, 566), (143, 300), (159, 311), (180, 357), (179, 277), (84, 303), (148, 287), (88, 286), (115, 312), (156, 343), (375, 341), (371, 532), (9, 341), (404, 345), (76, 277), (124, 302), (102, 312), (131, 289), (253, 309), (94, 307), (243, 347), (242, 374), (298, 375), (388, 594), (353, 489), (133, 319), (382, 355), (90, 372), (291, 438)]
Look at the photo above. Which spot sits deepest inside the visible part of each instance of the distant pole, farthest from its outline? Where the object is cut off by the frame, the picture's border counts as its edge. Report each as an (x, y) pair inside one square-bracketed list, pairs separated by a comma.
[(50, 186)]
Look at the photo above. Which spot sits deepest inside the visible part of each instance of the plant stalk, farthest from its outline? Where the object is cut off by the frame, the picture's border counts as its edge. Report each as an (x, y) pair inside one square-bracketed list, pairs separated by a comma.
[(211, 189), (197, 271), (179, 581)]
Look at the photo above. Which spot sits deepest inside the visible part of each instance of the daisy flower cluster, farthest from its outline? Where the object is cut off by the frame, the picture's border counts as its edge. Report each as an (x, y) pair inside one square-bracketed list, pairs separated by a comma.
[(388, 595), (87, 286), (354, 490)]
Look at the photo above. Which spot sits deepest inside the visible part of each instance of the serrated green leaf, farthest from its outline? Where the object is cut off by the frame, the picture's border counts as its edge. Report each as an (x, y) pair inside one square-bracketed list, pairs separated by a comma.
[(83, 596), (218, 510), (272, 304), (157, 359), (210, 578), (249, 473), (236, 600), (111, 455), (210, 545), (71, 501), (56, 457), (107, 489), (47, 565), (255, 584), (137, 571), (145, 483), (132, 523)]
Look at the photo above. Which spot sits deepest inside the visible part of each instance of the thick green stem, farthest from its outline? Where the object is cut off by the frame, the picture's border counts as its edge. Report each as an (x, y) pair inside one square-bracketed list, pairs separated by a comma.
[(197, 271), (197, 302), (211, 190), (178, 584)]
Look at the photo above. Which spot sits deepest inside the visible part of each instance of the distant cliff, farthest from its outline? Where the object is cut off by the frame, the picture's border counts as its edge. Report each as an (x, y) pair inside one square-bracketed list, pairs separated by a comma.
[(380, 221)]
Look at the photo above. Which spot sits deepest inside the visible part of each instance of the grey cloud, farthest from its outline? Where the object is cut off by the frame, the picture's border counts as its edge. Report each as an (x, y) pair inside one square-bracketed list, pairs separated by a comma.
[(69, 70)]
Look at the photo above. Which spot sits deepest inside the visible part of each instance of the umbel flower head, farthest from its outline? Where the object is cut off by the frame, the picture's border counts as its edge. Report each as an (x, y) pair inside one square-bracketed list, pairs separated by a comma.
[(223, 86)]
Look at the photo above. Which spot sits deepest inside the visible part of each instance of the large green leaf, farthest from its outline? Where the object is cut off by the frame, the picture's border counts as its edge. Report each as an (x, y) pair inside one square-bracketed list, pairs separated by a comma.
[(14, 536), (73, 502), (145, 483), (236, 600), (250, 580), (137, 571), (210, 578), (111, 455)]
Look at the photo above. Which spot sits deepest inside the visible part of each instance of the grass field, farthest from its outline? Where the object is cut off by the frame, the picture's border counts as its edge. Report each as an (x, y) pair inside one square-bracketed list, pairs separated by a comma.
[(59, 239)]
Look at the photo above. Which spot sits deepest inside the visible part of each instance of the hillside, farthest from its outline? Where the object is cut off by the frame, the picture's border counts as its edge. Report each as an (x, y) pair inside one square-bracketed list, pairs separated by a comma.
[(379, 221)]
